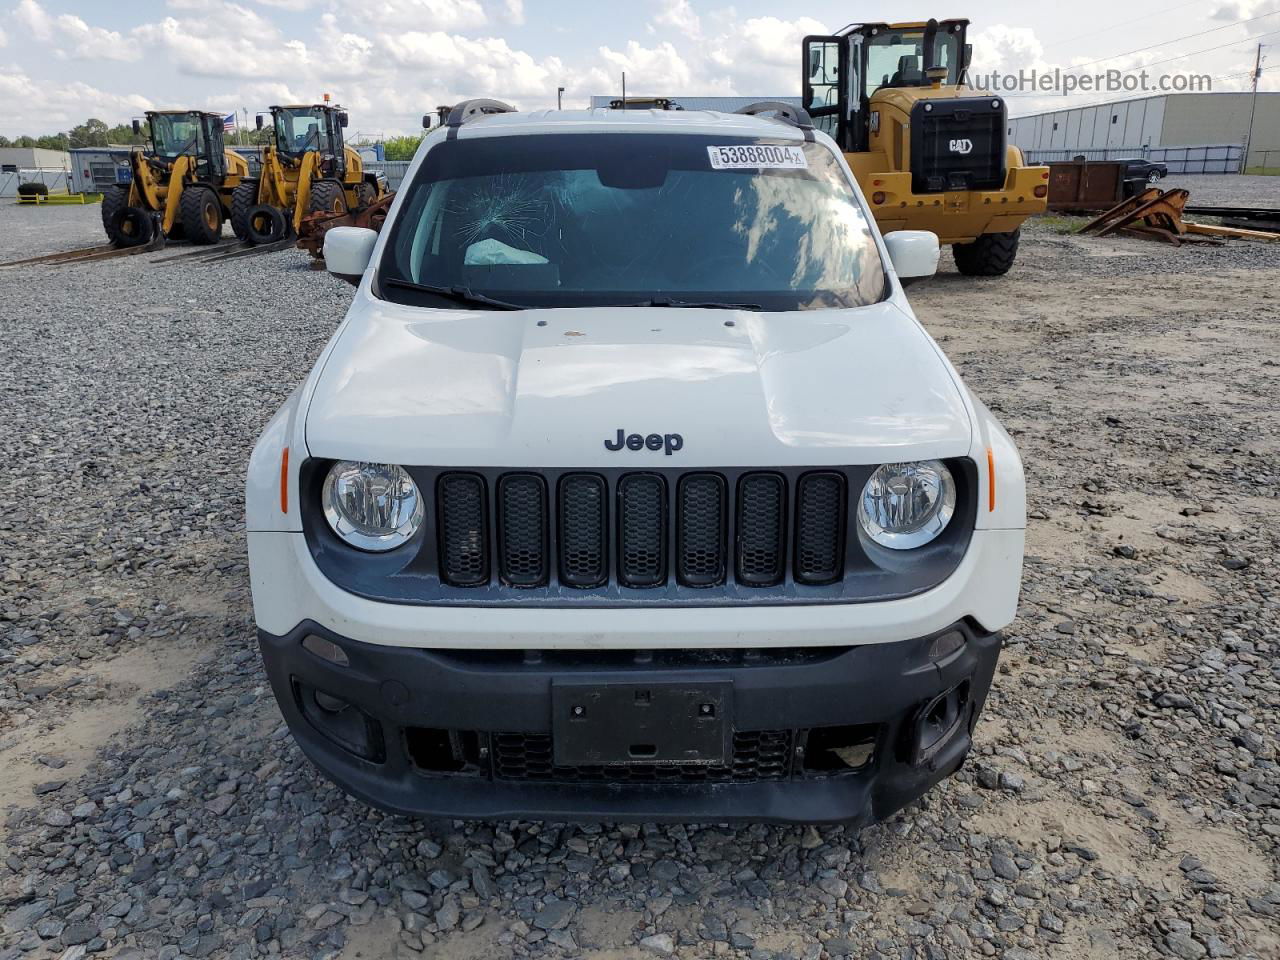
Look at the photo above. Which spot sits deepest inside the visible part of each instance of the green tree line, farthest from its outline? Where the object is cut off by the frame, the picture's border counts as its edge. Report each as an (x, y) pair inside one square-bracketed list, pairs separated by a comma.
[(91, 133), (96, 133)]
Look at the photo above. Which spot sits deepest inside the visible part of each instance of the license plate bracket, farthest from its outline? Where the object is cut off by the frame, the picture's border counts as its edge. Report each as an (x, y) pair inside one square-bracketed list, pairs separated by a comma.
[(599, 724)]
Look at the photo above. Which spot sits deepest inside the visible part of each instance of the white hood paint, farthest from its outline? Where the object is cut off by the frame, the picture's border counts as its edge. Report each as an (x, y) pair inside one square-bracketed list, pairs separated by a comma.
[(497, 388)]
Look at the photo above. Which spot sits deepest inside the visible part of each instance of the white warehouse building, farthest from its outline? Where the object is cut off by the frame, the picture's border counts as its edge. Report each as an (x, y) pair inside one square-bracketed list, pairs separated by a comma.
[(1193, 132)]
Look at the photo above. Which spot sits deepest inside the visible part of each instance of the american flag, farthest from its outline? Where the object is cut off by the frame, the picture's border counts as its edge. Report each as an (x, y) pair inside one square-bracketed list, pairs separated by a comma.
[(229, 123)]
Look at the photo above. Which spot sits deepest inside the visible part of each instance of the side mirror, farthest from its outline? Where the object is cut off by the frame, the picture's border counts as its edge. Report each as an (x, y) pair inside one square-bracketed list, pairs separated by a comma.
[(913, 253), (137, 127), (426, 121), (347, 251), (342, 118), (258, 121)]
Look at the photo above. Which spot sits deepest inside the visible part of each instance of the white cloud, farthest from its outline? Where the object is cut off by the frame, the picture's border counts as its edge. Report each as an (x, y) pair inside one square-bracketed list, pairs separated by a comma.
[(431, 14), (651, 71), (75, 39), (483, 66), (515, 12), (31, 15), (4, 38), (95, 43), (761, 55), (225, 40), (41, 107), (1003, 49), (678, 15)]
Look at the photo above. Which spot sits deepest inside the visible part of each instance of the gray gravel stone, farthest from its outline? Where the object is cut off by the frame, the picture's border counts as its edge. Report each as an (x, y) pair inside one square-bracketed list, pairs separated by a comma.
[(199, 830)]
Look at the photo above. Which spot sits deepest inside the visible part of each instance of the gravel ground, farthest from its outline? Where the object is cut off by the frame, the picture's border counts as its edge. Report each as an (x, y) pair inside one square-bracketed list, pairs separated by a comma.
[(1243, 191), (1123, 800)]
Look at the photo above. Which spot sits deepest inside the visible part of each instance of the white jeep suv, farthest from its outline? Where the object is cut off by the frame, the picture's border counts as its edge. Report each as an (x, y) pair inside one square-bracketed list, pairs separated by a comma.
[(630, 488)]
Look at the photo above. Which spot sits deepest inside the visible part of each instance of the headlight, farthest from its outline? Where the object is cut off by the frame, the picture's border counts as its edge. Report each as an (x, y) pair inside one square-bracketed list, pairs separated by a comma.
[(906, 505), (373, 506)]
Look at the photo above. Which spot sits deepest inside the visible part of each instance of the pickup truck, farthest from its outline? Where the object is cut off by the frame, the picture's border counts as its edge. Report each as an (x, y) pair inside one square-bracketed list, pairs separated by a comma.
[(631, 488)]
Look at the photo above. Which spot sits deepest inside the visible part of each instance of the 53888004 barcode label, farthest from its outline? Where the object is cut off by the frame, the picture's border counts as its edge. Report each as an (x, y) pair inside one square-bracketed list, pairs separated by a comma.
[(757, 156)]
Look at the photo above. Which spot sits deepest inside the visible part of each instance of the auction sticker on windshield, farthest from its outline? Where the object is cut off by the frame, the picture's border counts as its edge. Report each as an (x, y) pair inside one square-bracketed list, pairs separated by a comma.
[(757, 156)]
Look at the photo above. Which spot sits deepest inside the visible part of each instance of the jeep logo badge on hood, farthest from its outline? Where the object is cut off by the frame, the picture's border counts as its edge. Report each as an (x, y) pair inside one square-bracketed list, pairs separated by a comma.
[(962, 146), (670, 442)]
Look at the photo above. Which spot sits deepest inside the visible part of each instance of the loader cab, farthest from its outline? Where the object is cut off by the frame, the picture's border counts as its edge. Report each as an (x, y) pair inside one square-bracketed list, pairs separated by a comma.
[(318, 128), (842, 72), (190, 134)]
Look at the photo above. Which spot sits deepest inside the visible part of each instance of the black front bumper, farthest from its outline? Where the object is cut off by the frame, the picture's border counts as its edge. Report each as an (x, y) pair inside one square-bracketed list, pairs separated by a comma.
[(467, 734)]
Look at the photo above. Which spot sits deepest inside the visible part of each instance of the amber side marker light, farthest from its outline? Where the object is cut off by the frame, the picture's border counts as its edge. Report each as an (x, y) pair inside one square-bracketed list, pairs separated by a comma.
[(991, 481), (284, 480)]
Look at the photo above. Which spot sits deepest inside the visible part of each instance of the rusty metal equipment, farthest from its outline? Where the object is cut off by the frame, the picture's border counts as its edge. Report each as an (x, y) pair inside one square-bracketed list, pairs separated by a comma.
[(315, 225), (1266, 219), (1079, 186), (1153, 213), (1157, 214), (90, 254)]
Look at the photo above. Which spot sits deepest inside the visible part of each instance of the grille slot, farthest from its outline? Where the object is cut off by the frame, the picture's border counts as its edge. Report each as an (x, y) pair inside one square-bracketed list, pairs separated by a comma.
[(522, 527), (700, 526), (761, 529), (464, 530), (820, 511), (760, 755), (642, 530), (583, 529)]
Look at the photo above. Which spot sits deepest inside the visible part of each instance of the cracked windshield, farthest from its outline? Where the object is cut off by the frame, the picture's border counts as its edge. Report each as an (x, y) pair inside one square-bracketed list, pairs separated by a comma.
[(630, 219)]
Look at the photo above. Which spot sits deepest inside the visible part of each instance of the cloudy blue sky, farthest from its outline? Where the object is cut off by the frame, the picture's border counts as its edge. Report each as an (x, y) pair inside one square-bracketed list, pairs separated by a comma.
[(389, 61)]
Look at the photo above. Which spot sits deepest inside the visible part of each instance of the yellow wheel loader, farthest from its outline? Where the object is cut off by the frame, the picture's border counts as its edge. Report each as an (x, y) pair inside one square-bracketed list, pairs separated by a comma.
[(305, 169), (929, 152), (182, 182)]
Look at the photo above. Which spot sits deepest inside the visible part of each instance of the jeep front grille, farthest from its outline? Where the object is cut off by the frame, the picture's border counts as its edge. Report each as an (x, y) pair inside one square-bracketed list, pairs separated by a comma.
[(644, 533)]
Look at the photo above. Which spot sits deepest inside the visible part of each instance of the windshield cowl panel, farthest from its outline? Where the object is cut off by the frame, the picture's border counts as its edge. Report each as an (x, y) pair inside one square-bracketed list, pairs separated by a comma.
[(624, 219)]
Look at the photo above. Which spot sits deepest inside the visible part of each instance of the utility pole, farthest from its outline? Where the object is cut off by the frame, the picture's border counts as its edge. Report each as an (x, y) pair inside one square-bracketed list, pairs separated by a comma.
[(624, 89), (1253, 109), (559, 98)]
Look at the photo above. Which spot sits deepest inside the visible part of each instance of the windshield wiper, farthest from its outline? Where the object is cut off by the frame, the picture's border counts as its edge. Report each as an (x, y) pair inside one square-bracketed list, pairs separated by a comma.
[(459, 294), (704, 304)]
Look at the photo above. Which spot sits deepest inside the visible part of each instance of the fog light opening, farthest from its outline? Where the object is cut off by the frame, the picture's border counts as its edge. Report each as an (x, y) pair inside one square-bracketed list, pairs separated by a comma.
[(938, 722), (833, 750), (340, 721), (329, 703), (433, 750)]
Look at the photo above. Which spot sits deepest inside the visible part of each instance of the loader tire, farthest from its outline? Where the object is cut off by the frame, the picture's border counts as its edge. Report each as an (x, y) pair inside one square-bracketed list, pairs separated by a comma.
[(366, 195), (991, 255), (265, 224), (327, 196), (131, 227), (243, 198), (201, 215), (114, 199)]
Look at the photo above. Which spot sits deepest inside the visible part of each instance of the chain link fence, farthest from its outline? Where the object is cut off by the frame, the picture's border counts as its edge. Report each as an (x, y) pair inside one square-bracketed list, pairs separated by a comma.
[(55, 180), (1213, 158)]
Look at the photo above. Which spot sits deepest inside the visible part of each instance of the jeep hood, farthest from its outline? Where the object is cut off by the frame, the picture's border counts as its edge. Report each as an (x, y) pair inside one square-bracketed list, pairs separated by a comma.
[(547, 388)]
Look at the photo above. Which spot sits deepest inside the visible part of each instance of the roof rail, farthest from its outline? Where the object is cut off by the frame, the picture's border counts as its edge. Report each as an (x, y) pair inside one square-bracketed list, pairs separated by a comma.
[(470, 109), (786, 112)]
